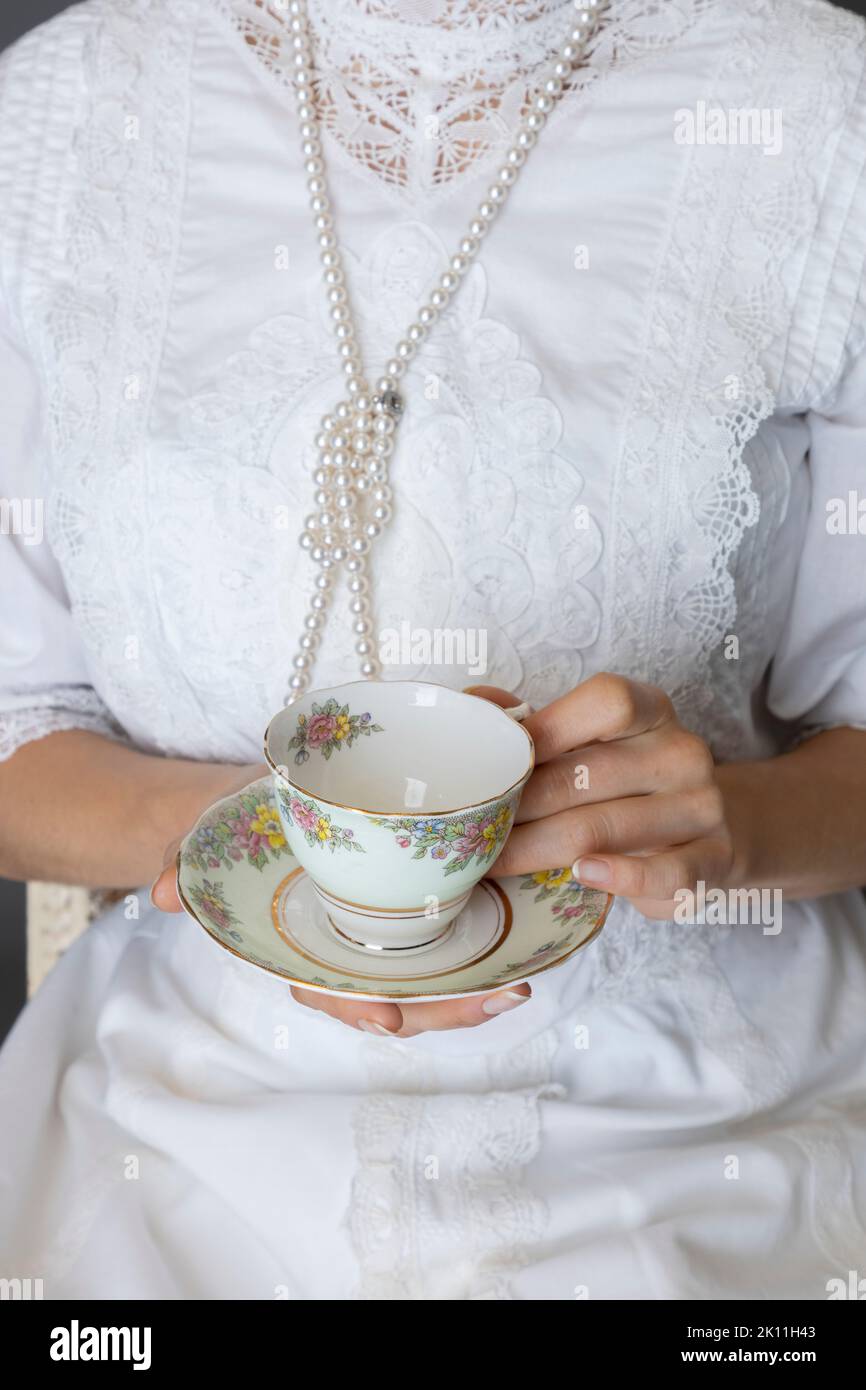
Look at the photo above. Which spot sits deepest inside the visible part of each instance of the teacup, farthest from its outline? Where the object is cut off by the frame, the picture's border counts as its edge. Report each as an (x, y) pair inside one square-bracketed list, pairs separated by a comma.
[(396, 797)]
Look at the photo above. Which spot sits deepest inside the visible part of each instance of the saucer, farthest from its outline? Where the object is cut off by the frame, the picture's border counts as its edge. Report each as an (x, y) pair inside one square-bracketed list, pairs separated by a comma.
[(239, 880)]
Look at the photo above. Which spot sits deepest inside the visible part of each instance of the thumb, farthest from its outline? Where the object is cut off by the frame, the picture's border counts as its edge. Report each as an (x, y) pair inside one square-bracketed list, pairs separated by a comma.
[(163, 894)]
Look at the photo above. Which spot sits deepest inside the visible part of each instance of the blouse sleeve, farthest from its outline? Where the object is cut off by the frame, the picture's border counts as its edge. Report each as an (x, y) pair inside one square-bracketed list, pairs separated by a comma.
[(44, 681), (818, 675)]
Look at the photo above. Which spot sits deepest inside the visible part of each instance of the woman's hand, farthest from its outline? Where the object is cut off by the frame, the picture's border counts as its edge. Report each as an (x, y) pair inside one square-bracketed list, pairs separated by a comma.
[(622, 795), (385, 1020)]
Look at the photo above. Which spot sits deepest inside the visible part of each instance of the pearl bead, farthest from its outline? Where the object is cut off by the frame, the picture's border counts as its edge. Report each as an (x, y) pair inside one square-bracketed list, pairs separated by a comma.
[(364, 647), (322, 497), (322, 476), (372, 530), (360, 606), (319, 602), (314, 622), (415, 333), (427, 314), (325, 519), (361, 443), (382, 514), (506, 176), (322, 582), (469, 246), (341, 458), (356, 564), (362, 403), (345, 501), (544, 104), (309, 642), (346, 524), (363, 483), (496, 193), (358, 584), (359, 545), (370, 669), (303, 661), (311, 522), (449, 281), (328, 423), (384, 424), (299, 683), (384, 385), (395, 367), (319, 553), (383, 447), (487, 211), (439, 299), (362, 627), (338, 554), (382, 493), (306, 541)]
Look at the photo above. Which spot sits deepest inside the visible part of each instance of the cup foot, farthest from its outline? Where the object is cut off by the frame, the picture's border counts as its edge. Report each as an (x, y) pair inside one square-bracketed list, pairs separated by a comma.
[(373, 948)]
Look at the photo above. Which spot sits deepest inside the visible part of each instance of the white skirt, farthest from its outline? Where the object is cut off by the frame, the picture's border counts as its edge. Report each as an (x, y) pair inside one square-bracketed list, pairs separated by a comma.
[(680, 1112)]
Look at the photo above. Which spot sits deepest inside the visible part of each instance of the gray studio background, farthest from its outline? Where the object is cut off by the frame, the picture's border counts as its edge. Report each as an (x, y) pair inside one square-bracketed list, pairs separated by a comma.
[(16, 17)]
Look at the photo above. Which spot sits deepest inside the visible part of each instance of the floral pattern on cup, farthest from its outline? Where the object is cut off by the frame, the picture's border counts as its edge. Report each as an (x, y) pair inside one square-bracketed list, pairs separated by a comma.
[(317, 826), (570, 899), (328, 729), (248, 828), (463, 840), (209, 898)]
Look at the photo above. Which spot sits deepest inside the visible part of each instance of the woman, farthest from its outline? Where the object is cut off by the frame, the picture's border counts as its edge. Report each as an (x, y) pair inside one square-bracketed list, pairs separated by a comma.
[(633, 445)]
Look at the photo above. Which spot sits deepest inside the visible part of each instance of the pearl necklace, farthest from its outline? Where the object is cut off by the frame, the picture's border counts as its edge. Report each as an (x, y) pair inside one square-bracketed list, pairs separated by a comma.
[(355, 442)]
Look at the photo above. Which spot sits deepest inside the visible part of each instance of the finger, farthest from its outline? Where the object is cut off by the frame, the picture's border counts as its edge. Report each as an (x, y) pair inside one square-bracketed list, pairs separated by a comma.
[(164, 894), (494, 693), (658, 876), (665, 759), (461, 1013), (601, 708), (611, 827), (368, 1015)]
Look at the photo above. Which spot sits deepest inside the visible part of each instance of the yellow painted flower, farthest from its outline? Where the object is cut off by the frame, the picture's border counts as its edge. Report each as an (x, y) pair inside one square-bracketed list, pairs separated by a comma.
[(267, 824), (302, 719), (552, 878), (323, 828), (343, 728), (502, 815)]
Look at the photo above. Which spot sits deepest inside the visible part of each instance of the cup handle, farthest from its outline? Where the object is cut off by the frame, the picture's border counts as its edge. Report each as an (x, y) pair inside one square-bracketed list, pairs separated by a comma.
[(519, 712)]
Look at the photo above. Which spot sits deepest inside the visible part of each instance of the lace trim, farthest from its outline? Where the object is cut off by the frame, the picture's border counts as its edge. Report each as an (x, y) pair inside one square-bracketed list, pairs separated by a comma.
[(421, 103), (443, 1147), (695, 482), (53, 711), (105, 305)]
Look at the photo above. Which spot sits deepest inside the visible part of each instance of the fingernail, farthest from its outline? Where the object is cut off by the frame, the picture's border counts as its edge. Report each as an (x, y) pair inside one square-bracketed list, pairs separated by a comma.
[(369, 1025), (502, 1002), (470, 689), (591, 870)]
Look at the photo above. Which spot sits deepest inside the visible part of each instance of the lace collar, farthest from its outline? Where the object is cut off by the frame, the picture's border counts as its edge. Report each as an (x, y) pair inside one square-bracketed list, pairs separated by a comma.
[(418, 93)]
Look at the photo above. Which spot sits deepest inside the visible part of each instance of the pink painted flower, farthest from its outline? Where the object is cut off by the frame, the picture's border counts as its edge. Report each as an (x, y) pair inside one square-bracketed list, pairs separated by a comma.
[(304, 816), (320, 728), (404, 841), (471, 841)]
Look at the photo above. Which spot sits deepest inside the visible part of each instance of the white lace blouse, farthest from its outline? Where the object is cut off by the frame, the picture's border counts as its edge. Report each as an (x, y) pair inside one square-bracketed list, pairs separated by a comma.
[(622, 441), (635, 442)]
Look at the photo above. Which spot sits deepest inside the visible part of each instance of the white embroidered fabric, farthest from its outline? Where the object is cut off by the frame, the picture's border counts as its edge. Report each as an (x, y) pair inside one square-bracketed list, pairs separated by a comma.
[(618, 451)]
